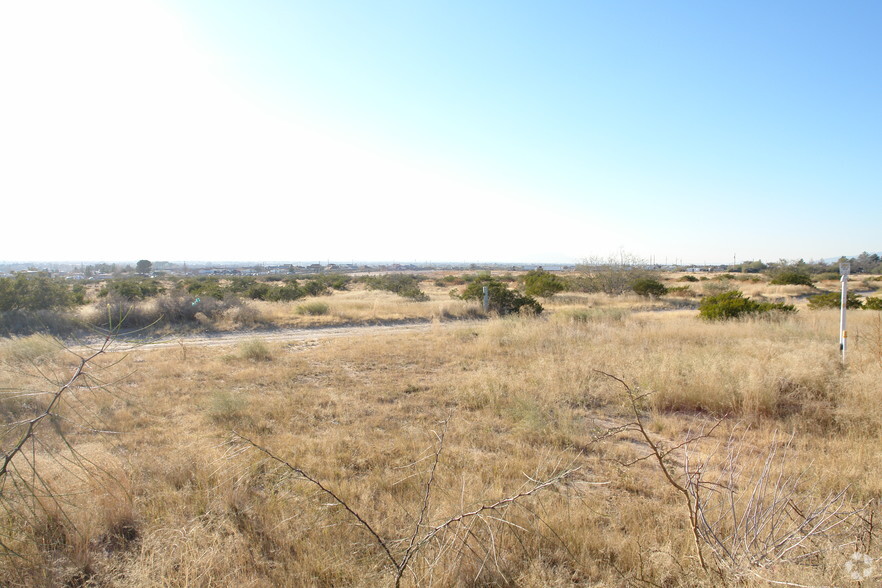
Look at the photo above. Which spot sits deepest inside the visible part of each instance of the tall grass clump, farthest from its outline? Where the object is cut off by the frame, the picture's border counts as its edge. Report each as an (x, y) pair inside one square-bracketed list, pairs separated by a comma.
[(255, 350), (29, 349), (313, 309)]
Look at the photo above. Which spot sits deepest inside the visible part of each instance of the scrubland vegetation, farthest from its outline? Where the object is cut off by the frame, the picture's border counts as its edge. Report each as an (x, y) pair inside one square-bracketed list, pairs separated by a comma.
[(610, 440)]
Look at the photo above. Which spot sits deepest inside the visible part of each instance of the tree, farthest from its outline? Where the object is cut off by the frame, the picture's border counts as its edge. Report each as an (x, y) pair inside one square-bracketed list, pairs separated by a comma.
[(144, 266)]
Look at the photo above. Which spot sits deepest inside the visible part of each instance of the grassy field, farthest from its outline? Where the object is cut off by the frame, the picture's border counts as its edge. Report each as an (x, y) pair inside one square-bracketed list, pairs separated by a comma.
[(611, 441)]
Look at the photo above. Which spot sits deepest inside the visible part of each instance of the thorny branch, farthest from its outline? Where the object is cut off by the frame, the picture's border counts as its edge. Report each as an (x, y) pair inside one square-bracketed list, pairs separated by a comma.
[(747, 524), (415, 542)]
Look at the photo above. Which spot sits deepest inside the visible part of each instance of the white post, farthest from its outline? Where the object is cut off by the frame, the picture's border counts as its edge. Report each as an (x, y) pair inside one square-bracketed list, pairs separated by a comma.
[(844, 270), (486, 299)]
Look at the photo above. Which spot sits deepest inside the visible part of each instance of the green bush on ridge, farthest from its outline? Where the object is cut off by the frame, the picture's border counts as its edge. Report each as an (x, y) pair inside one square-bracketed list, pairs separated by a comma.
[(834, 300), (733, 304)]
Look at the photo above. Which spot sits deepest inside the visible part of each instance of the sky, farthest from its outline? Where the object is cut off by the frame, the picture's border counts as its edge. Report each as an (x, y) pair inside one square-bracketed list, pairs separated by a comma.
[(427, 131)]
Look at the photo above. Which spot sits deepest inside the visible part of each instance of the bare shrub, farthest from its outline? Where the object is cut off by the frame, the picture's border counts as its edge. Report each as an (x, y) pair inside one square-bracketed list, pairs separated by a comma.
[(180, 307), (49, 486), (452, 535), (751, 516)]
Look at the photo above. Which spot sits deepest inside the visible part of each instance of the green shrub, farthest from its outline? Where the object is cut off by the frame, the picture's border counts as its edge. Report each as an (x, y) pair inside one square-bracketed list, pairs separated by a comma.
[(35, 292), (203, 287), (872, 303), (449, 280), (502, 300), (336, 281), (792, 277), (290, 291), (405, 285), (733, 304), (542, 284), (132, 288), (688, 279), (648, 287), (259, 291), (834, 300), (315, 288), (682, 291)]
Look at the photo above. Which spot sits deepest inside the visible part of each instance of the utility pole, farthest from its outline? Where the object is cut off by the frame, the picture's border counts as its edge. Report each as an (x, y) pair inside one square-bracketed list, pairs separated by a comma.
[(844, 270)]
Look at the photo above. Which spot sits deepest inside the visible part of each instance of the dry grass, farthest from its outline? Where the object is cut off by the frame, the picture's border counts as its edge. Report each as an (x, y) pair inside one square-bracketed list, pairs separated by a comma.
[(361, 306), (523, 401)]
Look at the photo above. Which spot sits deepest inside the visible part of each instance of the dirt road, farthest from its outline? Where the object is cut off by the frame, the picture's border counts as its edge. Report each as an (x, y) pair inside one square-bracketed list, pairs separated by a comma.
[(303, 334)]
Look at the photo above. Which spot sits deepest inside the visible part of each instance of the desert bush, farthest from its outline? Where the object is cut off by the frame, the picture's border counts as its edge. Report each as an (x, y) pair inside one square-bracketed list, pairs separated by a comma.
[(242, 316), (203, 286), (315, 288), (259, 291), (542, 284), (834, 300), (683, 291), (117, 313), (792, 277), (610, 278), (733, 304), (450, 280), (688, 278), (335, 281), (35, 292), (405, 285), (872, 303), (502, 299), (649, 287), (290, 291), (132, 288), (178, 307)]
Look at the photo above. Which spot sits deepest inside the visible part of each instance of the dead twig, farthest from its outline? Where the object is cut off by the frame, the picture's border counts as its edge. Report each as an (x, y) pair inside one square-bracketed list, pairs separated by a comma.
[(422, 533)]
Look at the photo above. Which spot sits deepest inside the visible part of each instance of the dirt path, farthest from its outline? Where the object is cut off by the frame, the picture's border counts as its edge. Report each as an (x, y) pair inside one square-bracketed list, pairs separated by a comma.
[(301, 334)]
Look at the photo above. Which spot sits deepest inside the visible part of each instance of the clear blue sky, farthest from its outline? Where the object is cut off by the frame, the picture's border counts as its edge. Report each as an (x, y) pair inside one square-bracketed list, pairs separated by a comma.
[(439, 131)]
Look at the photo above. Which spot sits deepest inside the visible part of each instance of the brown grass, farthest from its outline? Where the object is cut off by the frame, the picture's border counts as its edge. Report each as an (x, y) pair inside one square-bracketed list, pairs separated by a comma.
[(523, 400)]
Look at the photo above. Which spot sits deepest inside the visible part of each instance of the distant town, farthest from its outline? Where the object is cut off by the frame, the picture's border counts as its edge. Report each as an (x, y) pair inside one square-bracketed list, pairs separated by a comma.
[(105, 271)]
